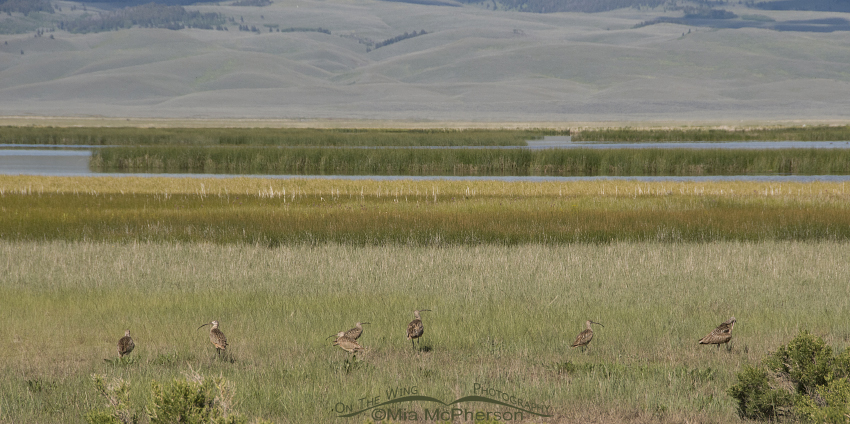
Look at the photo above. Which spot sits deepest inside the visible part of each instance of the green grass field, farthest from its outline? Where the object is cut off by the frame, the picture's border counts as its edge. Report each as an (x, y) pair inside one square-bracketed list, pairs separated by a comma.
[(501, 316), (504, 311)]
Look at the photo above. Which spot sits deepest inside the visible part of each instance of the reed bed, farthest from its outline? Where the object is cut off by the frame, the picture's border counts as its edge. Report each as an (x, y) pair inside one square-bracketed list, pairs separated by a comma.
[(475, 162), (636, 135), (503, 316), (275, 212), (99, 136)]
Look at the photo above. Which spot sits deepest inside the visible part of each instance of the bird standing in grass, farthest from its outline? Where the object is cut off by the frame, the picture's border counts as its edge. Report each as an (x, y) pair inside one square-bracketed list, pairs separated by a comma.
[(216, 337), (585, 336), (416, 329), (346, 343), (125, 344), (355, 332), (720, 335)]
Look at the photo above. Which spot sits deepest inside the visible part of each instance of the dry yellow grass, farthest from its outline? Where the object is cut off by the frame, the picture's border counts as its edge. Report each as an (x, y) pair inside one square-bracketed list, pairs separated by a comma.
[(383, 188)]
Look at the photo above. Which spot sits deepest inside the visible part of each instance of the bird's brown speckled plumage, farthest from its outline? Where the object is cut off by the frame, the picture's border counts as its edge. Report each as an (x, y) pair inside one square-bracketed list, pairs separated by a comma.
[(720, 335), (416, 328), (125, 344), (585, 336), (355, 332), (347, 344), (217, 338)]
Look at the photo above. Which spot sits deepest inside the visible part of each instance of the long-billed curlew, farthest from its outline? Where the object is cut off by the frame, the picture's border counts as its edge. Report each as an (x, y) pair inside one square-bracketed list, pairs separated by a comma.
[(125, 344), (720, 335), (416, 329), (347, 343), (355, 332), (216, 337), (585, 336)]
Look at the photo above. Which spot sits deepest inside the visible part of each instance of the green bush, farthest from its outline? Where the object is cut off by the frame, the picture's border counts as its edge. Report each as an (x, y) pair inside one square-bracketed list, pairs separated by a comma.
[(828, 404), (804, 379), (757, 400), (193, 400), (117, 395), (807, 362)]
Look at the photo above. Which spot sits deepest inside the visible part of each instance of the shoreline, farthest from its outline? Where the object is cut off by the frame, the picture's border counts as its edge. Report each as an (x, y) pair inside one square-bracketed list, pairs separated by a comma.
[(335, 123)]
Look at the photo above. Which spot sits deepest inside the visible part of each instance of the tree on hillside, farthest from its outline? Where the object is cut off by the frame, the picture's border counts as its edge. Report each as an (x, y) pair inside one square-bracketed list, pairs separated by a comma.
[(147, 16), (551, 6), (25, 6)]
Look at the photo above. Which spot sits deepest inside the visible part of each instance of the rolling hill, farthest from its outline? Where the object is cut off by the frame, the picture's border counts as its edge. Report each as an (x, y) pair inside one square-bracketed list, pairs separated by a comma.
[(471, 63)]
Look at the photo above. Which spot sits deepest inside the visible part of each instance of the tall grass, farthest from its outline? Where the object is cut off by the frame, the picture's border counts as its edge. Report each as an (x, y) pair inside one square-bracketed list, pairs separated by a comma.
[(502, 316), (278, 212), (485, 162), (632, 135), (268, 136)]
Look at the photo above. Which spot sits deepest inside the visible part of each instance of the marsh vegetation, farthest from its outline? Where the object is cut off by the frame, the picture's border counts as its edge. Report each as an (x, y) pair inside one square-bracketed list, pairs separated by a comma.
[(573, 162), (509, 270), (275, 212), (344, 137), (637, 135)]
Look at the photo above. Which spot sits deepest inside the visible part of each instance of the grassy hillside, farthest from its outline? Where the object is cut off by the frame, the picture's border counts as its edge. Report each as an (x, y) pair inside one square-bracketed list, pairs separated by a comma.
[(472, 63)]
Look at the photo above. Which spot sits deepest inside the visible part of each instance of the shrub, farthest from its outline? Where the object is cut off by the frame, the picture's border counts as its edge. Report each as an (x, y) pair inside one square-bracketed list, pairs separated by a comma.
[(807, 362), (193, 400), (757, 400), (828, 404), (117, 395), (804, 378)]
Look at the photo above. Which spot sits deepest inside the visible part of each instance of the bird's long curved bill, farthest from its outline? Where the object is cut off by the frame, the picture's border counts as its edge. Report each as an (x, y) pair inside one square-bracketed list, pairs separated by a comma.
[(202, 326)]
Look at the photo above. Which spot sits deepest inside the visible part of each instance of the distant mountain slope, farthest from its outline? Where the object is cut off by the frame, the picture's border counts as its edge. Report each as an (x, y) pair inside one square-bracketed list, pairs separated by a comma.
[(25, 6), (464, 64), (127, 3), (809, 5), (551, 6), (431, 2), (150, 15)]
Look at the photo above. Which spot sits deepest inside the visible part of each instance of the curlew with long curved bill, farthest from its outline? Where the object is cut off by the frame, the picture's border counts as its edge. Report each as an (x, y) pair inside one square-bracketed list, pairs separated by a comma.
[(585, 336), (416, 329), (355, 332), (216, 337), (125, 344), (720, 335), (346, 343)]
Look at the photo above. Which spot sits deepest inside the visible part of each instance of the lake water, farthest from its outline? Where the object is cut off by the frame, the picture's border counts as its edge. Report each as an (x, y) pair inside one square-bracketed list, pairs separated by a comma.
[(45, 162), (74, 163)]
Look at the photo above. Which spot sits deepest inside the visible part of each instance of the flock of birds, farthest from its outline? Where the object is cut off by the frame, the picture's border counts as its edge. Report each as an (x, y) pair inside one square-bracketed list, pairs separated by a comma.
[(347, 340)]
